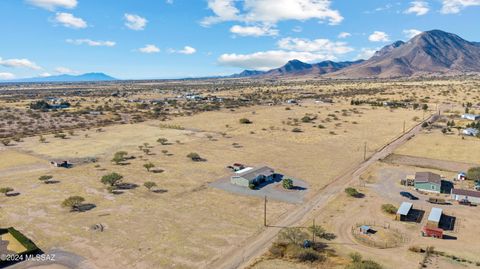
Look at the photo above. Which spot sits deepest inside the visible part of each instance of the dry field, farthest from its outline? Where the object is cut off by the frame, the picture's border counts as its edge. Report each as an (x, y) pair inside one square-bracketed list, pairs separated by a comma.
[(435, 145), (189, 225)]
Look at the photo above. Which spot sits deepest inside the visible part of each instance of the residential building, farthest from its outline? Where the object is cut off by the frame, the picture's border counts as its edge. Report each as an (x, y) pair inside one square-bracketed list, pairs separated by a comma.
[(251, 175), (466, 195), (427, 181)]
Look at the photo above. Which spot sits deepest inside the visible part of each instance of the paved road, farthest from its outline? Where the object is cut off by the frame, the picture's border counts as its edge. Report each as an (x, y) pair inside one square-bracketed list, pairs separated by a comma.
[(245, 254)]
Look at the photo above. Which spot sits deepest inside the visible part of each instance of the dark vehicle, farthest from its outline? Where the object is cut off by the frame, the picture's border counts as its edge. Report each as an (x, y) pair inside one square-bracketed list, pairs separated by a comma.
[(408, 195), (465, 202)]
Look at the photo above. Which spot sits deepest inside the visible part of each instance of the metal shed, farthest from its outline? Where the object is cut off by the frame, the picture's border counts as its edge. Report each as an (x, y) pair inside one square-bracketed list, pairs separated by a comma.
[(403, 211), (434, 217)]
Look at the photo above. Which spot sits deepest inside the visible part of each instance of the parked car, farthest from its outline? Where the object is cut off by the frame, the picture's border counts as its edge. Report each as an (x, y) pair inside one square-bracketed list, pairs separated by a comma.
[(464, 202), (408, 195)]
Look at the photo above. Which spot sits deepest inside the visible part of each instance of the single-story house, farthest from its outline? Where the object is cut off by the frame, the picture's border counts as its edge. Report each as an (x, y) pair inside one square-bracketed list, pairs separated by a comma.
[(471, 117), (428, 181), (434, 217), (403, 211), (468, 195), (470, 131), (253, 175)]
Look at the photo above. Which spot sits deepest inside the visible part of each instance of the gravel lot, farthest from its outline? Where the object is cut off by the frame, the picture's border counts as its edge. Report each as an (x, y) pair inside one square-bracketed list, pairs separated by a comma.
[(273, 191)]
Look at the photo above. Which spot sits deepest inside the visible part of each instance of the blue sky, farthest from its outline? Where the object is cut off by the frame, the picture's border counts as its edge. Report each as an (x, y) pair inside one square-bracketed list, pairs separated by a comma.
[(136, 39)]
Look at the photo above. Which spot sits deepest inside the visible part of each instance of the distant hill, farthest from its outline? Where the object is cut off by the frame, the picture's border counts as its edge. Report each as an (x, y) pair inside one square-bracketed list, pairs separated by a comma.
[(88, 77), (429, 53), (298, 68)]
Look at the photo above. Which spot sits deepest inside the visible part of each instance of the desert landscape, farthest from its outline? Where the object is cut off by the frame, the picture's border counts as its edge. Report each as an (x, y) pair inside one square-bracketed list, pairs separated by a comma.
[(239, 134)]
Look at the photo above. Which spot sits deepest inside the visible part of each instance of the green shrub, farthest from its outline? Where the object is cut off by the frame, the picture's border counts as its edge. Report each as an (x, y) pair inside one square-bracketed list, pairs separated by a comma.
[(352, 192), (287, 183), (389, 208), (245, 121)]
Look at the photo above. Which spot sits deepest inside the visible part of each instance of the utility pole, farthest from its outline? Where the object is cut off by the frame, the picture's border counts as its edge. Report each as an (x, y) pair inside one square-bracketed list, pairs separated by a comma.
[(313, 231), (365, 151), (265, 212), (403, 126)]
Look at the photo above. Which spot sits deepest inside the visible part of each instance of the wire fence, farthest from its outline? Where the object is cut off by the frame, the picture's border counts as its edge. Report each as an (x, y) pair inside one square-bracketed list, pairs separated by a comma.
[(371, 239)]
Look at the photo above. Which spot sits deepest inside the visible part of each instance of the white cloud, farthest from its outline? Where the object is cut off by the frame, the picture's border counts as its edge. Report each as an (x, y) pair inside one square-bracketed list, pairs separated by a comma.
[(365, 54), (409, 33), (91, 43), (135, 22), (44, 75), (297, 29), (253, 31), (19, 63), (266, 60), (418, 7), (65, 70), (455, 6), (271, 11), (6, 76), (289, 48), (53, 4), (378, 36), (318, 45), (70, 21), (344, 35), (149, 48), (186, 50)]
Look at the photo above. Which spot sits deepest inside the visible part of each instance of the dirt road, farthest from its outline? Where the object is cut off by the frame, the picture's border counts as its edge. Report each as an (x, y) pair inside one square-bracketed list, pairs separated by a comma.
[(244, 255)]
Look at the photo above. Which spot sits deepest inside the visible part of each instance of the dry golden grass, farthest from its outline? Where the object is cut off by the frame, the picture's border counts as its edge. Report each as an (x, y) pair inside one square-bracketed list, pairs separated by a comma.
[(12, 158), (13, 244), (436, 145)]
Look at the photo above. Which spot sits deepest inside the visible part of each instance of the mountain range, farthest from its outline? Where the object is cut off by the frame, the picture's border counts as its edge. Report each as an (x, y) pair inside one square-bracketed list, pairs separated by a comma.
[(429, 53), (87, 77)]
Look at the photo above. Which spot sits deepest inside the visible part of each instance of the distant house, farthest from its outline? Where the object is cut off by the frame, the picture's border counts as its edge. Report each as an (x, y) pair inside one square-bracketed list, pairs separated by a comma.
[(434, 217), (466, 195), (461, 176), (470, 131), (251, 175), (64, 164), (471, 117), (427, 181)]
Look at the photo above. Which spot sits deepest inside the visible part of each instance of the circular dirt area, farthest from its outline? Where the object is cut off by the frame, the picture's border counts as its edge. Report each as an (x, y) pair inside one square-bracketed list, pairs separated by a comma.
[(378, 236)]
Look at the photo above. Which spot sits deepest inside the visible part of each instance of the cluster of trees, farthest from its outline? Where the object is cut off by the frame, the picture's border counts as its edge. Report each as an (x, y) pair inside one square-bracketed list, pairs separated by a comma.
[(295, 243)]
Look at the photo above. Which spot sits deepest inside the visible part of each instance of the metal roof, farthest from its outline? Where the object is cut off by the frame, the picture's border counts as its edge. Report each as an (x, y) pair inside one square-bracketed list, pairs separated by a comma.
[(468, 193), (435, 214), (244, 170), (404, 208), (255, 172), (428, 177)]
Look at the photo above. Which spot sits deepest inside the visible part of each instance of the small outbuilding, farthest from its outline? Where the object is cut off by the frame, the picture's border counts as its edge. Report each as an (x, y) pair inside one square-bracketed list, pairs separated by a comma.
[(403, 211), (428, 181), (251, 175), (434, 217), (470, 131), (471, 117), (461, 176), (466, 195), (364, 229)]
